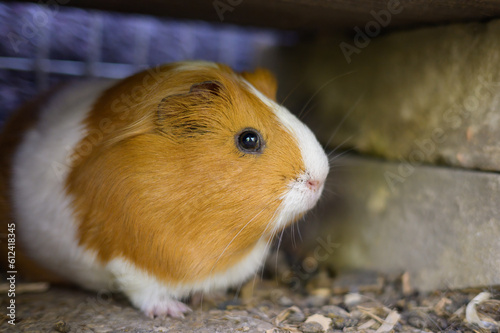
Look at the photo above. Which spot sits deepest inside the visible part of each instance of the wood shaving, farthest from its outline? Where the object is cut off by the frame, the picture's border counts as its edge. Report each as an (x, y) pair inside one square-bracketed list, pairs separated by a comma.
[(283, 315), (367, 325), (325, 322), (390, 321), (405, 284), (439, 307), (471, 314), (22, 288)]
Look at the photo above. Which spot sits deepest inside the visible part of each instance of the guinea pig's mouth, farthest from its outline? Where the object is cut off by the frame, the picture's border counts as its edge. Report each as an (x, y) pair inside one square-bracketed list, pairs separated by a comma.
[(302, 195)]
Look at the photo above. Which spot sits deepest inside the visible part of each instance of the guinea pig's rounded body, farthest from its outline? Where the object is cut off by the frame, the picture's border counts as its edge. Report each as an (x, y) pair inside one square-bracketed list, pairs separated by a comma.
[(169, 182)]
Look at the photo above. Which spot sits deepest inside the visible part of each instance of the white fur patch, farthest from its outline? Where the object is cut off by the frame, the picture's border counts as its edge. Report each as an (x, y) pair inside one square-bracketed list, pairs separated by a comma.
[(299, 198), (44, 218), (145, 291)]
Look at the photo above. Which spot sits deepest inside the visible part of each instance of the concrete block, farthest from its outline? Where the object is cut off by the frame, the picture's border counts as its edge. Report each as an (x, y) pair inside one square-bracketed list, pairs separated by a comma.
[(441, 225), (427, 96)]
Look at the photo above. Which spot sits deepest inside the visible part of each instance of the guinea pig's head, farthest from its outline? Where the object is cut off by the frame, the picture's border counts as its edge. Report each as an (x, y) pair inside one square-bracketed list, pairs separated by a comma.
[(207, 166)]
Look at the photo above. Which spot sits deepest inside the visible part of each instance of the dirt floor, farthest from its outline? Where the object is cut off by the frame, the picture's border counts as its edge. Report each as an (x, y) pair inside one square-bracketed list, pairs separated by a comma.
[(356, 302)]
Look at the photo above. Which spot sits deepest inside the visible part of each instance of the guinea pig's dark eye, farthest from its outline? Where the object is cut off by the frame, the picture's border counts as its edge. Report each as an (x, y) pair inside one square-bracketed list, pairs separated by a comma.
[(249, 141)]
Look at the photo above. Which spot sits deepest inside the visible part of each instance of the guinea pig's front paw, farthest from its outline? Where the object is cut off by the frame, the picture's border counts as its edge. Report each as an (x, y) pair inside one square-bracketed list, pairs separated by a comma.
[(145, 292), (164, 308)]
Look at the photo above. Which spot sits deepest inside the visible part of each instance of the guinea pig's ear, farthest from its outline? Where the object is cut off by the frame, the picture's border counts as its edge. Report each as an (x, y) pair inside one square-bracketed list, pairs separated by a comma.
[(186, 114), (264, 81)]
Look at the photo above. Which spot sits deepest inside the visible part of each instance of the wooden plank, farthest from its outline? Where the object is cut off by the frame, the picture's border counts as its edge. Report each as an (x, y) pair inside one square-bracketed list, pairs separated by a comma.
[(302, 14)]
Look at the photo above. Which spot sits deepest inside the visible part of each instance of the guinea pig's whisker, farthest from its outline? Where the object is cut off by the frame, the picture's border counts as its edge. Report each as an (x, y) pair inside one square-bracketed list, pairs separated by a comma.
[(344, 118), (296, 225), (294, 235), (339, 146), (277, 252), (309, 109), (294, 244), (280, 238), (321, 88), (291, 91), (255, 278), (237, 291), (270, 224), (274, 230), (336, 157), (298, 230), (330, 191), (268, 245), (239, 232), (268, 242), (339, 166)]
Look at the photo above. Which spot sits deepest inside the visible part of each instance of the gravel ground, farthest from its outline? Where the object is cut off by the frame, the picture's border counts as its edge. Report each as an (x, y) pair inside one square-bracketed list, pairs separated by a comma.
[(356, 302)]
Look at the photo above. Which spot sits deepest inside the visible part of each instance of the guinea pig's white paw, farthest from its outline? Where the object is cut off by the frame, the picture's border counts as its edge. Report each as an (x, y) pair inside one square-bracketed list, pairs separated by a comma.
[(166, 307)]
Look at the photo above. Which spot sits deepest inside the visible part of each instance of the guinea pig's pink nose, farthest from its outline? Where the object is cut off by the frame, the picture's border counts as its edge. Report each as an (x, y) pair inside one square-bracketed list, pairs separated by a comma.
[(313, 184)]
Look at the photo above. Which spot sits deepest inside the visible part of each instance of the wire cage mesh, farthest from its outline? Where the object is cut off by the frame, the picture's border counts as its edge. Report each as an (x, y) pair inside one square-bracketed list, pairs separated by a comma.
[(44, 45)]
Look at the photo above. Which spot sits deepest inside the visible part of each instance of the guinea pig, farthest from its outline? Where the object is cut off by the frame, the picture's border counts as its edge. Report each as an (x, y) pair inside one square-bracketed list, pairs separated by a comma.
[(168, 182)]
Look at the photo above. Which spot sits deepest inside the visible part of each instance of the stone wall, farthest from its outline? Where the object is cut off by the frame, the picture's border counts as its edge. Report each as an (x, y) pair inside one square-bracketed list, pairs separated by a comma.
[(423, 108)]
